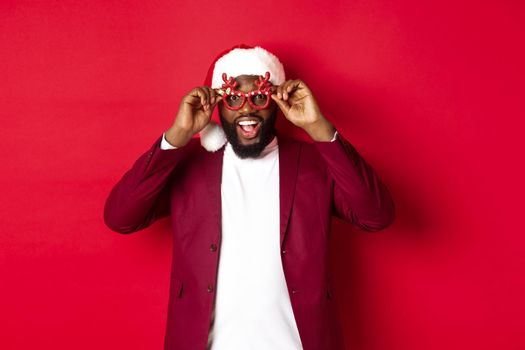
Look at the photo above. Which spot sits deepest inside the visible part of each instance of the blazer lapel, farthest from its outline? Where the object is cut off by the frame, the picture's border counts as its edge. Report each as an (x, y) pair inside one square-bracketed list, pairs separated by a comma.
[(289, 152)]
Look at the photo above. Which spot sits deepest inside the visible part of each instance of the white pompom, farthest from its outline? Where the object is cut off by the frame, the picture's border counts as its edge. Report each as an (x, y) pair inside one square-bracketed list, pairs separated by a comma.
[(212, 137)]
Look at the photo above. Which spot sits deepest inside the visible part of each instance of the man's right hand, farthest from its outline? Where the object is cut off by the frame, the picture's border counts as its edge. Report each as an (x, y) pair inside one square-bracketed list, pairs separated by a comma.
[(194, 114)]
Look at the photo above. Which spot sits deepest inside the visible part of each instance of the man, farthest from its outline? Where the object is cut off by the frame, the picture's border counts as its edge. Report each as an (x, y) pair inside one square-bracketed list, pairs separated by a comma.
[(250, 209)]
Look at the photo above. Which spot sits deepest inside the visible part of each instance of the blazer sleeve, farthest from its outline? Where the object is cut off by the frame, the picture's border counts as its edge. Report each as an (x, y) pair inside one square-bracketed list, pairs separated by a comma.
[(141, 196), (359, 196)]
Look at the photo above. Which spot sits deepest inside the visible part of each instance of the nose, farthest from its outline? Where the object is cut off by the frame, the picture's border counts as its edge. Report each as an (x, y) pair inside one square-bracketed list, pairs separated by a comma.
[(246, 108)]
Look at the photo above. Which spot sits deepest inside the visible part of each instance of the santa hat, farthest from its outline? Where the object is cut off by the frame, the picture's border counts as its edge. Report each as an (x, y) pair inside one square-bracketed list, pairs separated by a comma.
[(239, 60)]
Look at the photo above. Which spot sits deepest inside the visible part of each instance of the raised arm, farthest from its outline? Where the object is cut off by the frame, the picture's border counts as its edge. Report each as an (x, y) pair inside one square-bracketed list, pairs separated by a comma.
[(359, 195), (142, 195)]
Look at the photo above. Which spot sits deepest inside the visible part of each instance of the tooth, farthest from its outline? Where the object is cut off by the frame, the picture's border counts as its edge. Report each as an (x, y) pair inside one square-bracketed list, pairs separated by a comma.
[(247, 122)]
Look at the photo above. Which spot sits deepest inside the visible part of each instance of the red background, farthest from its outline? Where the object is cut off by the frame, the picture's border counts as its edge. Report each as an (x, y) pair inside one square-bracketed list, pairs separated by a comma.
[(430, 93)]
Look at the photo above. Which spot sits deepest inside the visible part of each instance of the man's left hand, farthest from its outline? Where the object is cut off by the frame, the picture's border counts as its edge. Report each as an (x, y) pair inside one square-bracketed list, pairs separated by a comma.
[(299, 106)]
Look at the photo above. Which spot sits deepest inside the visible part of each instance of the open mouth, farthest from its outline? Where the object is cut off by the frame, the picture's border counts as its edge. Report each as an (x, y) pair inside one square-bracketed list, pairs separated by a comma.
[(249, 127)]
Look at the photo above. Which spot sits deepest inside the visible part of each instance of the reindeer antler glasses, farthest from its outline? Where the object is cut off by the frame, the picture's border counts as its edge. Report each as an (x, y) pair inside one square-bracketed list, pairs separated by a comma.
[(235, 99)]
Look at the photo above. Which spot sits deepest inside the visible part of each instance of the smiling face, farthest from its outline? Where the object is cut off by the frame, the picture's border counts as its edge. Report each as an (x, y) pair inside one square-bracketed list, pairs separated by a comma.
[(248, 130)]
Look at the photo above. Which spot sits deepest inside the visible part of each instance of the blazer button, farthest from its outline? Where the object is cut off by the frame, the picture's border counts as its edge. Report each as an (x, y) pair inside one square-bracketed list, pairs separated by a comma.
[(213, 247), (295, 291), (284, 251), (328, 294), (210, 288)]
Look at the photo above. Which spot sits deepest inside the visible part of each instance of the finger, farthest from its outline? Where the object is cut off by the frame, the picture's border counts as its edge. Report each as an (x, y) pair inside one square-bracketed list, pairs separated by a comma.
[(284, 88), (285, 91), (207, 100), (273, 90), (218, 94), (216, 97), (213, 103), (200, 95), (213, 93), (193, 98), (291, 86), (203, 97), (282, 104), (280, 91)]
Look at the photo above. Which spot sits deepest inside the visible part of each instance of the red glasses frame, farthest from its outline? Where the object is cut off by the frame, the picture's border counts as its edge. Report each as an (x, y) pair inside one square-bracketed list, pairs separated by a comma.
[(229, 88)]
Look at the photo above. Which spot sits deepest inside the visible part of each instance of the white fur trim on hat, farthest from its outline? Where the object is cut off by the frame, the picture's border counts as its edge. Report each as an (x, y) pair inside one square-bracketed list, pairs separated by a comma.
[(212, 137), (255, 61)]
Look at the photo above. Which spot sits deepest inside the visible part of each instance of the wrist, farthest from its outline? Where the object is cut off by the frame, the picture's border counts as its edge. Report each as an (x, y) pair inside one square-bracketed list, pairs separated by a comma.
[(321, 130), (177, 137)]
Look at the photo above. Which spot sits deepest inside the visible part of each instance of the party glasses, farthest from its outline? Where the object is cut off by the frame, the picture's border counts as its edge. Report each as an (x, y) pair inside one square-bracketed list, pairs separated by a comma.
[(234, 99)]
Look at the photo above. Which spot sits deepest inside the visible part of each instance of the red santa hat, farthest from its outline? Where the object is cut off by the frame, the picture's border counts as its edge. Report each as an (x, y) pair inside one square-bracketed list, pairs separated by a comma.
[(238, 60)]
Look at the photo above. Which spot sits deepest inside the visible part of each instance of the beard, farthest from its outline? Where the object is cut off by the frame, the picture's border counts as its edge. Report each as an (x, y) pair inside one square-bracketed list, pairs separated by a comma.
[(266, 134)]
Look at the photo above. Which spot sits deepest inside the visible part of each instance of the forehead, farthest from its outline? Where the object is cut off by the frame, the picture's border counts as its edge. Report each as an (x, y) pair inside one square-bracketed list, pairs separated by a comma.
[(246, 82)]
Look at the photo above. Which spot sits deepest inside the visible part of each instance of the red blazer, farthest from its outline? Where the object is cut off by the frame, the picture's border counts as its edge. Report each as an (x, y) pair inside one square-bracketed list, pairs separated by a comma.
[(316, 180)]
